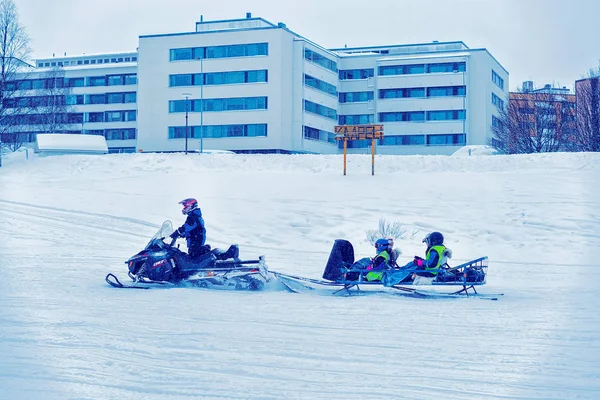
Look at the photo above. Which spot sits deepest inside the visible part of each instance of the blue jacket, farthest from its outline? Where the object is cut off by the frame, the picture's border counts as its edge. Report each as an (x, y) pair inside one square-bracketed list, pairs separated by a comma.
[(193, 229)]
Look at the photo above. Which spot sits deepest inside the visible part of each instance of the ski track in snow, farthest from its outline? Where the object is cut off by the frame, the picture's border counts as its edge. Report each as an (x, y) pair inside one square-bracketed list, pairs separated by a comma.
[(64, 334)]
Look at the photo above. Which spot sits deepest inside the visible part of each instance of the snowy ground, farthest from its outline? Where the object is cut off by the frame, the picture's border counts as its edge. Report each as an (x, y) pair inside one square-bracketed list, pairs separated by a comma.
[(67, 221)]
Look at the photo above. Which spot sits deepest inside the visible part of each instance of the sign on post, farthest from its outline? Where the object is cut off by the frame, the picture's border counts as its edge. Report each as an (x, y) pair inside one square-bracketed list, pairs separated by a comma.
[(359, 132)]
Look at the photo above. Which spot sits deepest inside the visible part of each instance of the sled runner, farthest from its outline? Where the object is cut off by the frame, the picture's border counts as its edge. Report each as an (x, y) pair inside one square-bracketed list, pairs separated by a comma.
[(342, 275), (163, 264)]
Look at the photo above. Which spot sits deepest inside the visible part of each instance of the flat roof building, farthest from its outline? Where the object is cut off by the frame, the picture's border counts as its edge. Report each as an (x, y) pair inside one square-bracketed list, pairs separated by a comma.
[(249, 85)]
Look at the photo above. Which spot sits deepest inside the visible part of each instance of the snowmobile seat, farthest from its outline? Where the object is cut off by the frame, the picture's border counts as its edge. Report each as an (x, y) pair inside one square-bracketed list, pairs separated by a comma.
[(340, 258)]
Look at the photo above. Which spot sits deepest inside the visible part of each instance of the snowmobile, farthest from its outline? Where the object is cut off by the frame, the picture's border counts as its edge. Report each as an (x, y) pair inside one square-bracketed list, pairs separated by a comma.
[(161, 263), (342, 273)]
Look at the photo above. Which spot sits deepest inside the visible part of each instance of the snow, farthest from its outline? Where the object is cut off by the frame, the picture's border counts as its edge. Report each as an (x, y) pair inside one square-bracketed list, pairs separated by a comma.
[(475, 150), (67, 221), (49, 143)]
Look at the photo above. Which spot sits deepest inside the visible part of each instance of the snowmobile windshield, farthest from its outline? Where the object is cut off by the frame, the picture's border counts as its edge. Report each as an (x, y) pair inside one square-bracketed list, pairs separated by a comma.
[(165, 230)]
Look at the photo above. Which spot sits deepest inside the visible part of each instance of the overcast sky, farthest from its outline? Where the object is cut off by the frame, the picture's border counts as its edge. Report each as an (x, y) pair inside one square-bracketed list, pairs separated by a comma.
[(541, 40)]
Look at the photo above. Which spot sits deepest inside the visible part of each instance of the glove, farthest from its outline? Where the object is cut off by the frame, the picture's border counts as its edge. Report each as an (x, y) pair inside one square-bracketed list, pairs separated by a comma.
[(175, 235), (418, 261)]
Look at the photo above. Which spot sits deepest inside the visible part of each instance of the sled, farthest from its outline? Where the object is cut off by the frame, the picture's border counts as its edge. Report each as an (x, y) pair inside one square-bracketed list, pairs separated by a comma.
[(341, 277)]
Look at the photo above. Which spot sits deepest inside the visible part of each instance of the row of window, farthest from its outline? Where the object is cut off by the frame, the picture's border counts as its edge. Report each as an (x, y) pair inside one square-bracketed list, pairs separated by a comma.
[(418, 116), (61, 100), (226, 104), (497, 80), (232, 50), (441, 91), (318, 59), (218, 78), (218, 131), (320, 109), (422, 68), (453, 139), (87, 62), (320, 85), (111, 116), (113, 134), (71, 118), (51, 83)]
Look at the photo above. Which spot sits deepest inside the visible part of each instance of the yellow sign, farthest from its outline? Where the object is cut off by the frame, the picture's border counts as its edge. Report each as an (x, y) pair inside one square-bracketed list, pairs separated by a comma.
[(355, 129)]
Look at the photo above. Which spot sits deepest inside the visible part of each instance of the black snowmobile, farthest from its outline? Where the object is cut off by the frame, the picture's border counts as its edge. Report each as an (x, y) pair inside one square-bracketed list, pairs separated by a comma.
[(162, 263)]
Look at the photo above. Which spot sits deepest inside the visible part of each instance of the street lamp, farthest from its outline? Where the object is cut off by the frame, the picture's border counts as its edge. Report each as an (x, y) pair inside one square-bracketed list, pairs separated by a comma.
[(201, 105), (187, 96), (464, 101)]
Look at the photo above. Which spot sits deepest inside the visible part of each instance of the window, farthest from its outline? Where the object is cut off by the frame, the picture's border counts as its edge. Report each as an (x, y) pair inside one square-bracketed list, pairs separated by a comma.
[(349, 74), (320, 60), (96, 81), (497, 101), (131, 79), (72, 99), (317, 134), (320, 109), (114, 80), (496, 123), (218, 131), (227, 104), (95, 99), (402, 69), (96, 117), (401, 92), (113, 116), (180, 80), (320, 85), (446, 67), (446, 140), (74, 82), (357, 119), (402, 140), (235, 50), (445, 115), (112, 98), (443, 91), (497, 80), (130, 97), (355, 97), (408, 116), (130, 115)]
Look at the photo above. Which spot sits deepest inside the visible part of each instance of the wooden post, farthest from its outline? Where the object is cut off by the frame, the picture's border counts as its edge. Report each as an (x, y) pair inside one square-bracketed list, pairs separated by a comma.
[(345, 141), (372, 156)]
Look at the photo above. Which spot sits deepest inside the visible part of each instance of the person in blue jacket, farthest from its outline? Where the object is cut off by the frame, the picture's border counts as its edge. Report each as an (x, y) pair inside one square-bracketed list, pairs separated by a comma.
[(193, 229)]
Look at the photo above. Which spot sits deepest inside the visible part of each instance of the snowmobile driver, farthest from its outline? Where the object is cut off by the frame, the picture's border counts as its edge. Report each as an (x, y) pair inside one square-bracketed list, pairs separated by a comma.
[(193, 229)]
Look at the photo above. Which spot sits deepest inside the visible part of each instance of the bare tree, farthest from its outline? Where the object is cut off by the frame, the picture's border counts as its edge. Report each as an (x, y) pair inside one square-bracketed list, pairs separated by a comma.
[(588, 113), (14, 54), (534, 122), (50, 102)]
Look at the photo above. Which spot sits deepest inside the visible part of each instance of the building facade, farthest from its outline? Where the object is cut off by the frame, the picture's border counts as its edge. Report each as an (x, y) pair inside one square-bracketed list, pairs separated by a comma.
[(547, 114), (249, 85)]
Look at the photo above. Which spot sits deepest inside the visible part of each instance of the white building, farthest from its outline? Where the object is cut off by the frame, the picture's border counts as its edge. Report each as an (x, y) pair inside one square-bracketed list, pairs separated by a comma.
[(95, 94), (253, 86)]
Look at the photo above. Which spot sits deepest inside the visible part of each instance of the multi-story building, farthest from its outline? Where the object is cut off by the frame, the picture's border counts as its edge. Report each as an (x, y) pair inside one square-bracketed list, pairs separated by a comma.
[(88, 94), (543, 112), (249, 85)]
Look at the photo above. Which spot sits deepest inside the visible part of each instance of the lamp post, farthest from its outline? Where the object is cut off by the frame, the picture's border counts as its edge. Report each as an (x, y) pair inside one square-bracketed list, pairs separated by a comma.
[(201, 105), (464, 105), (187, 96)]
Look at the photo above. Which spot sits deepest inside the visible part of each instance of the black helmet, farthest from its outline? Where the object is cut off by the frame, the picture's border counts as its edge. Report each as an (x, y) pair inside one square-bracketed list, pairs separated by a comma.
[(434, 239)]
